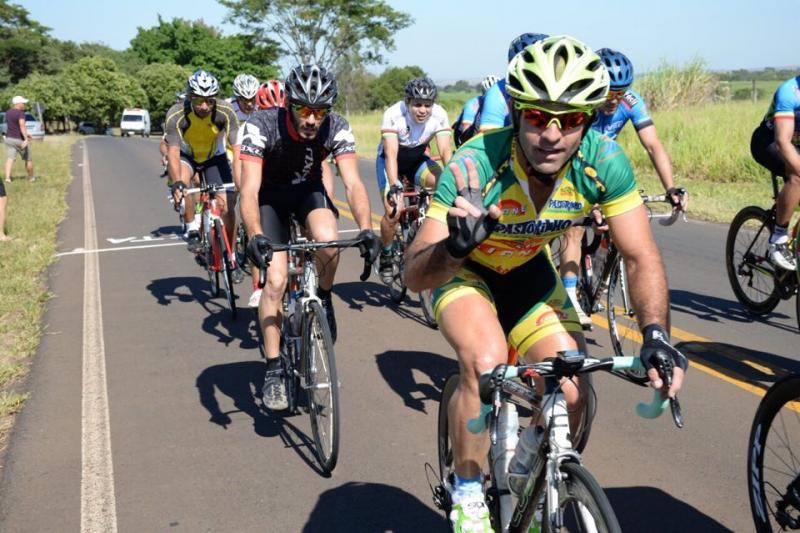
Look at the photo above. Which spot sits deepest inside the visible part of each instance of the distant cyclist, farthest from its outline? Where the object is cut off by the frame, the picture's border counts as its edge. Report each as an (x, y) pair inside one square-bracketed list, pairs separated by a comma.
[(775, 144), (283, 150), (622, 105), (468, 122), (483, 245), (245, 89), (407, 129), (494, 113), (194, 128), (271, 94)]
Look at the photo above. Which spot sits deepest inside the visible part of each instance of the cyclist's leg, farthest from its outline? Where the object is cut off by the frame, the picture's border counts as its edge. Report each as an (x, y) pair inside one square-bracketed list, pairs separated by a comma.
[(274, 227), (316, 209), (428, 173), (187, 171), (387, 224), (218, 172), (466, 300)]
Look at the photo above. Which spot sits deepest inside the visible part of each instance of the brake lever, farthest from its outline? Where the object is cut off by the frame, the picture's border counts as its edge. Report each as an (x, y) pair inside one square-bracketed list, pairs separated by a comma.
[(495, 415), (665, 369)]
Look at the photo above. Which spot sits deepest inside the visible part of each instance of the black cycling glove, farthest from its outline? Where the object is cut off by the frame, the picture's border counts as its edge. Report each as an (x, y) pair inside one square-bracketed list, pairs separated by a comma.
[(680, 191), (657, 352), (370, 246), (259, 250), (466, 233)]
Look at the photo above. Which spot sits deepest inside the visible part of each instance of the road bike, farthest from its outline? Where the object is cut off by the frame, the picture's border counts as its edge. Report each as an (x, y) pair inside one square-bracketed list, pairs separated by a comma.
[(756, 282), (416, 201), (556, 493), (307, 352), (215, 253), (773, 458), (602, 275)]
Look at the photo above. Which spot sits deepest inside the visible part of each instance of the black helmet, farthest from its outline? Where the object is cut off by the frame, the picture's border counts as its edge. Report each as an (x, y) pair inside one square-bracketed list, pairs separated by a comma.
[(311, 85), (421, 89)]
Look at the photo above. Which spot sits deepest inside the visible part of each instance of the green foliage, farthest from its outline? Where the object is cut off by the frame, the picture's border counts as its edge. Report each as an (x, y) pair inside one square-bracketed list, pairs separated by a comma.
[(322, 31), (672, 86), (747, 94), (765, 74), (23, 44), (387, 88), (99, 91), (354, 85), (198, 45), (160, 83), (50, 90)]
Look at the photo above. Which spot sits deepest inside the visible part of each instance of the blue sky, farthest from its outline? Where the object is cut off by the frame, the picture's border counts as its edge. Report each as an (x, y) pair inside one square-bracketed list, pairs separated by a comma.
[(468, 38)]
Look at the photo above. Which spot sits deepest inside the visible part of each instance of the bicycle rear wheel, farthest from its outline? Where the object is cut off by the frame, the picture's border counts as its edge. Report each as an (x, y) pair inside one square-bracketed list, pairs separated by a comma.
[(226, 267), (584, 505), (622, 325), (209, 254), (322, 386), (241, 246), (750, 273), (397, 288), (773, 471)]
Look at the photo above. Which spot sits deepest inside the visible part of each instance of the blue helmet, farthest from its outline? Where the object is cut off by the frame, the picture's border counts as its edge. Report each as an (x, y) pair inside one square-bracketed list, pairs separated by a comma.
[(523, 41), (620, 68)]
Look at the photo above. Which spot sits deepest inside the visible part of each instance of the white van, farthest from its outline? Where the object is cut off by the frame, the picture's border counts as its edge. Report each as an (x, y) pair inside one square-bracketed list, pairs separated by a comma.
[(135, 121)]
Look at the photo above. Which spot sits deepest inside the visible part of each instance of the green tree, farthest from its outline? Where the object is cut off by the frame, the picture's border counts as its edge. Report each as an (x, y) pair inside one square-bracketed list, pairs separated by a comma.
[(160, 82), (49, 89), (98, 91), (198, 45), (354, 85), (387, 88), (23, 44), (322, 31)]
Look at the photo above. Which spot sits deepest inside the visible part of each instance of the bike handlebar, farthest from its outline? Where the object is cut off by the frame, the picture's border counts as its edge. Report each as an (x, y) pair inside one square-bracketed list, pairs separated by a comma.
[(491, 382), (309, 246), (677, 211), (210, 188)]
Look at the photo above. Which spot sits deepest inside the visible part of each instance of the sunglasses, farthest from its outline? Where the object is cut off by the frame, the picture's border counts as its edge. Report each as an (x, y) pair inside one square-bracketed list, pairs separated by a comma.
[(541, 118), (616, 95), (303, 111), (197, 100)]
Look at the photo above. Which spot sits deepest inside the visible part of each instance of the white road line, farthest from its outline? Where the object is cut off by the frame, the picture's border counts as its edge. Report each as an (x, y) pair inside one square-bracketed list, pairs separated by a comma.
[(98, 505)]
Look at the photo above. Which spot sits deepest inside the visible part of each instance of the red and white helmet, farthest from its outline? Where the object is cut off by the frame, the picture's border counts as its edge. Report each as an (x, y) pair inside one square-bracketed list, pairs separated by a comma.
[(271, 94)]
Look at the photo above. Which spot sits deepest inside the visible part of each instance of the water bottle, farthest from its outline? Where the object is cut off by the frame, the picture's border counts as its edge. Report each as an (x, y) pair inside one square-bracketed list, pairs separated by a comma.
[(526, 454), (507, 437)]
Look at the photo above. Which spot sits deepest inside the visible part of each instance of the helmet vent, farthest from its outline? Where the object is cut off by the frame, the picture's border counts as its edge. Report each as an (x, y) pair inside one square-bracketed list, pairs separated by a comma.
[(536, 81), (560, 62)]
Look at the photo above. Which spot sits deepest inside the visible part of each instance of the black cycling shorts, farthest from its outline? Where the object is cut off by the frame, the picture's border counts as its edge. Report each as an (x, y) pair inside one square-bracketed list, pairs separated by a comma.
[(217, 170), (278, 203), (765, 151)]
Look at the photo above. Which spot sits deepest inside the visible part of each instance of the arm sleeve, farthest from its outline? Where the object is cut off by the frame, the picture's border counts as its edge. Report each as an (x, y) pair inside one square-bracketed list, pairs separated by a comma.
[(639, 115), (442, 122), (615, 170), (470, 109), (253, 140), (171, 133), (388, 125), (342, 140), (787, 99), (232, 121)]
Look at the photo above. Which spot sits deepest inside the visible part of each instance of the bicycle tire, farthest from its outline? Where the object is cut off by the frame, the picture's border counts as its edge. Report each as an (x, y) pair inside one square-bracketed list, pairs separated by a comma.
[(226, 268), (443, 444), (578, 486), (397, 288), (764, 298), (769, 413), (797, 308), (320, 359), (426, 303), (241, 246), (209, 252), (622, 326)]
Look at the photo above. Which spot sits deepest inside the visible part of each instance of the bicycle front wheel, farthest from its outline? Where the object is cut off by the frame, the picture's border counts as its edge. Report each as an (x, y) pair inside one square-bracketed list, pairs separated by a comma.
[(584, 505), (210, 248), (226, 267), (773, 470), (443, 443), (622, 325), (397, 288), (322, 386), (750, 273)]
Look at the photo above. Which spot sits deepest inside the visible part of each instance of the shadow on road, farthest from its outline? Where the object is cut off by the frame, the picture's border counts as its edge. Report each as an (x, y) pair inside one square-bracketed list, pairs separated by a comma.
[(166, 231), (357, 295), (398, 369), (637, 507), (218, 322), (713, 309), (733, 360), (241, 382), (372, 507)]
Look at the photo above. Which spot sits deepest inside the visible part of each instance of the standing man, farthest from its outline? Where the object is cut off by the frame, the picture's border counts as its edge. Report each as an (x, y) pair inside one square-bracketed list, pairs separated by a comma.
[(17, 138)]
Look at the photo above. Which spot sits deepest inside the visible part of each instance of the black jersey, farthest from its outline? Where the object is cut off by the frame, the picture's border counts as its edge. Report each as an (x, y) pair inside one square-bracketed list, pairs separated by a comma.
[(269, 136)]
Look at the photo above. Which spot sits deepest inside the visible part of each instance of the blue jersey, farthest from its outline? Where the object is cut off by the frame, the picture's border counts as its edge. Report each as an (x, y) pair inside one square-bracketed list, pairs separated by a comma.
[(786, 104), (470, 110), (495, 107), (631, 107)]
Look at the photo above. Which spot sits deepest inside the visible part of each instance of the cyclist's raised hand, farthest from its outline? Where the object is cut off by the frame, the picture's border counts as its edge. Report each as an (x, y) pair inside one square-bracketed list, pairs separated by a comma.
[(259, 251), (468, 220), (678, 197), (665, 364)]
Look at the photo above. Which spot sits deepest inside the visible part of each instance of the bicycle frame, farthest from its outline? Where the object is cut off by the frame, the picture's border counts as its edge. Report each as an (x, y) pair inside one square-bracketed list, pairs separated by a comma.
[(211, 213)]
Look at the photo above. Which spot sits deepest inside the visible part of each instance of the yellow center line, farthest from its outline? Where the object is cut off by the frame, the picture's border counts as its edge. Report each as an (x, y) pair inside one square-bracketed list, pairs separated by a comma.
[(343, 207)]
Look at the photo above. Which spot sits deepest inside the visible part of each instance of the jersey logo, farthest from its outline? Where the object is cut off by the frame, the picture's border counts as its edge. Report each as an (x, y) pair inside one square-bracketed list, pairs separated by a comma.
[(252, 134), (566, 205), (308, 162), (533, 227), (346, 139), (512, 207), (630, 99)]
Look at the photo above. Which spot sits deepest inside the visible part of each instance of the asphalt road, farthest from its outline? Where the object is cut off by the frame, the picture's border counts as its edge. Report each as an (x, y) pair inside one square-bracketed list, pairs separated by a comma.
[(184, 445)]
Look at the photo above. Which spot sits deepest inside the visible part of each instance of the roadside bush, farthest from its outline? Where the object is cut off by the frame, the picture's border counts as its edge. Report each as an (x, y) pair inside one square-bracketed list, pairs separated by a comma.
[(671, 86)]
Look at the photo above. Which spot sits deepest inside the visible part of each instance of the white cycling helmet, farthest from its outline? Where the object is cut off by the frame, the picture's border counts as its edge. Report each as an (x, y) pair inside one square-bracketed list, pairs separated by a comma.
[(488, 81), (245, 86), (202, 83)]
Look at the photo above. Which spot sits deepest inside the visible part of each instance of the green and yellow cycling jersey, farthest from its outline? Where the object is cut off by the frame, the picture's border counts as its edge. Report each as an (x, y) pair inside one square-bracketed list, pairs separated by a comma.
[(599, 173)]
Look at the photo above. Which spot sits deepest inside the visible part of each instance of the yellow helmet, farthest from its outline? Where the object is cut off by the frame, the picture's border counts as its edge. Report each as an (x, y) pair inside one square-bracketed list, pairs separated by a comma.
[(558, 69)]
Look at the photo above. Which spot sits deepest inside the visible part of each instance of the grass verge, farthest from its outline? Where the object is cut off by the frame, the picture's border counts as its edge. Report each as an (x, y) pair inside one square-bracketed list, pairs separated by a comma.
[(34, 211)]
